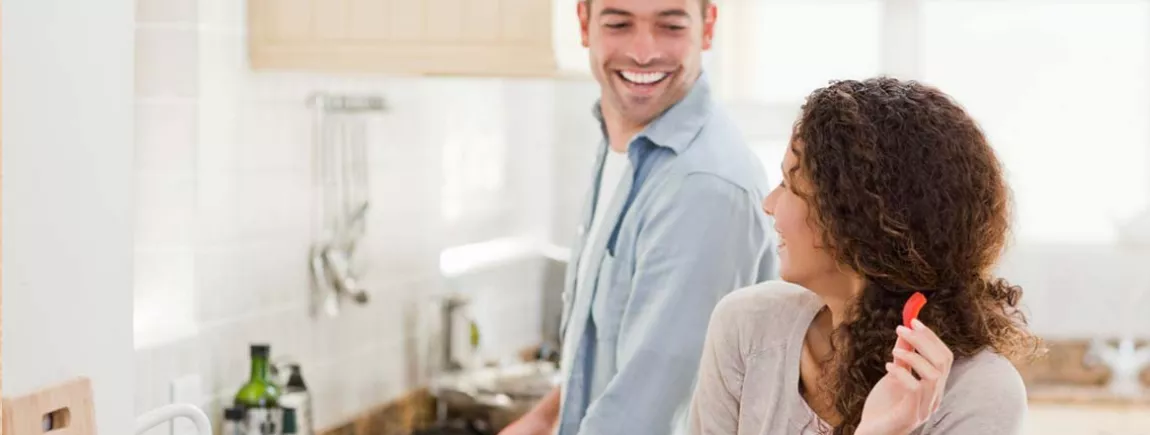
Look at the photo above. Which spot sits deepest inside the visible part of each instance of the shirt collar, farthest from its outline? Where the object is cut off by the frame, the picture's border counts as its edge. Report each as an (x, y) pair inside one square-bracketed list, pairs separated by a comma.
[(678, 126)]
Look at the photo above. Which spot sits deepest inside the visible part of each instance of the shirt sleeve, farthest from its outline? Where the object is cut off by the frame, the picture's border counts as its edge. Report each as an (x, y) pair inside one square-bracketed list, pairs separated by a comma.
[(715, 405), (698, 245), (989, 398)]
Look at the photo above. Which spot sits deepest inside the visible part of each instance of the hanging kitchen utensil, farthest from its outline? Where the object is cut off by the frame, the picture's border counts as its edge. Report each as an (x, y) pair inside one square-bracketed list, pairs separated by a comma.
[(341, 197)]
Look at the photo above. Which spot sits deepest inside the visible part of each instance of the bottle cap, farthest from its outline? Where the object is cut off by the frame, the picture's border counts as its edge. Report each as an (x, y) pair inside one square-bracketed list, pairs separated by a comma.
[(261, 350), (295, 379), (234, 414)]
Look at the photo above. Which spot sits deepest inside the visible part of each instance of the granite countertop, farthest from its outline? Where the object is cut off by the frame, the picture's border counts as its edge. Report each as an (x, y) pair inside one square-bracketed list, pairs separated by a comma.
[(403, 416)]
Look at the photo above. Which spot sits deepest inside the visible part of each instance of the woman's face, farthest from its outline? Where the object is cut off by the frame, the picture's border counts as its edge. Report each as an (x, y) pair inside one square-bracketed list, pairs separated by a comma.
[(802, 260)]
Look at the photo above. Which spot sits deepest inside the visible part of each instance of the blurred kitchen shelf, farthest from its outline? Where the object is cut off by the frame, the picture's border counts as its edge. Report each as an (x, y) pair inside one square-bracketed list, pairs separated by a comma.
[(489, 38)]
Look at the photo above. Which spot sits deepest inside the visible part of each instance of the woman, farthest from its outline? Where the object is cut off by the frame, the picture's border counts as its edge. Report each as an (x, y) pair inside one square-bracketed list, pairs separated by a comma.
[(889, 188)]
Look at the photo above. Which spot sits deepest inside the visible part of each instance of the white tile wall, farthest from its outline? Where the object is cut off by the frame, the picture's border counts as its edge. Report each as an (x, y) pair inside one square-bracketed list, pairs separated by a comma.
[(165, 11), (223, 193), (224, 213), (168, 58), (574, 154)]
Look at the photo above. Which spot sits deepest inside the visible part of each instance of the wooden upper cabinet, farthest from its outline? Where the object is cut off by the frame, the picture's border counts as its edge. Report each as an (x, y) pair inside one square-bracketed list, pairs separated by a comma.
[(450, 37)]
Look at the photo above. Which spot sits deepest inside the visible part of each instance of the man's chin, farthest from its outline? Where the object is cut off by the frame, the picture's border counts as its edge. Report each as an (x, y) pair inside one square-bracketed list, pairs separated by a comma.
[(643, 110), (639, 115)]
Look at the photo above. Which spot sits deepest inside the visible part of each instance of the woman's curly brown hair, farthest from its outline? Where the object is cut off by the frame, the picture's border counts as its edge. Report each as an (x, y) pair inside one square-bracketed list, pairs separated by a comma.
[(909, 195)]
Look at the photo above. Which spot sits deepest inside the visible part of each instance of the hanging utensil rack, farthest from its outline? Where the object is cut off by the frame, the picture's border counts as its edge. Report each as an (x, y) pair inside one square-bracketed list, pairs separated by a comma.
[(341, 196)]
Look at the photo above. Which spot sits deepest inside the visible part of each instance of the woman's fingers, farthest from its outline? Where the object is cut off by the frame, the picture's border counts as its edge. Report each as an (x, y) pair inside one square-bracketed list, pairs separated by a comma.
[(904, 377), (929, 357), (926, 343), (921, 327), (903, 345), (925, 370), (929, 377)]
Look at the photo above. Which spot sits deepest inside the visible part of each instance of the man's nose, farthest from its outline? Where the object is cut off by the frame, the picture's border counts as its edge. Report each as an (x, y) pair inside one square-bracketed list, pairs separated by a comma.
[(643, 48)]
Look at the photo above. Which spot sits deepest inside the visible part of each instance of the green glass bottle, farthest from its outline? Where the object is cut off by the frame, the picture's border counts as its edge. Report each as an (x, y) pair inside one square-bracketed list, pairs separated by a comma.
[(260, 391)]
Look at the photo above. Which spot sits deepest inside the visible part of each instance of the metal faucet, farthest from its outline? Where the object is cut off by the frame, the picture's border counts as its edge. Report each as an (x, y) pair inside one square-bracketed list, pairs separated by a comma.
[(450, 305), (446, 367), (1125, 361)]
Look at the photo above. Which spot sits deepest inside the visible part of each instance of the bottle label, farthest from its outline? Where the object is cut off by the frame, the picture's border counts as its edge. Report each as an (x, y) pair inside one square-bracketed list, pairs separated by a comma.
[(263, 421), (301, 402)]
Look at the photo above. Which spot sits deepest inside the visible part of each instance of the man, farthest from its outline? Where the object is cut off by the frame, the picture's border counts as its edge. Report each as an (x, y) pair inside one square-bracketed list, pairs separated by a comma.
[(671, 225)]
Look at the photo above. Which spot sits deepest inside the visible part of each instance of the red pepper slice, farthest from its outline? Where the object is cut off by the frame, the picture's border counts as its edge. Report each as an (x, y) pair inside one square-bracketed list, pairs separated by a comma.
[(912, 307)]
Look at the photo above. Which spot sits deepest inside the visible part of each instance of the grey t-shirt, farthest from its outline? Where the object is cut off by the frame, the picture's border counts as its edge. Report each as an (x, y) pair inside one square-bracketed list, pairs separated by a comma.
[(749, 374)]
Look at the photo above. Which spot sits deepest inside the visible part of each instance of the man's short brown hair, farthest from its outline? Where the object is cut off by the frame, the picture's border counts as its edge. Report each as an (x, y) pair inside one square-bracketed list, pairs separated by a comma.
[(702, 3)]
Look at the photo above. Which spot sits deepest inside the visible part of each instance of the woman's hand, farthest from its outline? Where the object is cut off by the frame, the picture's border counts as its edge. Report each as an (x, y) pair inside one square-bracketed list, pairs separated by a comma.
[(899, 403)]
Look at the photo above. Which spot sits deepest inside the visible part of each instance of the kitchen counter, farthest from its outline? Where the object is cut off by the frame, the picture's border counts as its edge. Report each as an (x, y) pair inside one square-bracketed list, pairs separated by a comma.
[(417, 413), (478, 402), (1085, 396), (1085, 410), (1086, 419), (403, 416), (1064, 395), (1053, 409)]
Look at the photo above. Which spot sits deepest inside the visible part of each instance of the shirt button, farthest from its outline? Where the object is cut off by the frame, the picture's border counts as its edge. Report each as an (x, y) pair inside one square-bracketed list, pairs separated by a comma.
[(580, 230)]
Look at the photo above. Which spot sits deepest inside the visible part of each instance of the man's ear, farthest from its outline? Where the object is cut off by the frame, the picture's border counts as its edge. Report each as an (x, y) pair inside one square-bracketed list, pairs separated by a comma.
[(709, 16), (584, 13)]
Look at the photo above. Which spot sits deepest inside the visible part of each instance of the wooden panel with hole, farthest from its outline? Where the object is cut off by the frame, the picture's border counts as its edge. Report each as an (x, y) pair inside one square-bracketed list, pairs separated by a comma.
[(64, 409)]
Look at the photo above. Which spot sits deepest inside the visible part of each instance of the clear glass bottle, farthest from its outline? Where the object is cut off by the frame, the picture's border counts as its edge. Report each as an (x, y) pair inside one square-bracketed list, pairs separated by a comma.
[(297, 397)]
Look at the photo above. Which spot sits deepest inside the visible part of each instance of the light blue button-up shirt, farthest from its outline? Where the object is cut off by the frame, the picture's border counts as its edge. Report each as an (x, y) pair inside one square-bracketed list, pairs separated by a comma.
[(687, 229)]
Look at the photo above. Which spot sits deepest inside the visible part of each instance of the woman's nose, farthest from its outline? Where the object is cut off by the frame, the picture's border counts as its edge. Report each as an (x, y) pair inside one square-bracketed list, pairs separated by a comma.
[(769, 203)]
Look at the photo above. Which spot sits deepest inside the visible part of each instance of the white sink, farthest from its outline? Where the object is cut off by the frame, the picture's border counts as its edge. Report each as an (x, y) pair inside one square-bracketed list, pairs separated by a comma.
[(527, 381)]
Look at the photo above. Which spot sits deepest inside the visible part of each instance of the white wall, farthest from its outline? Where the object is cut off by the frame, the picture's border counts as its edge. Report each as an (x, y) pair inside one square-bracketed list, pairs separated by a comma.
[(224, 208), (67, 199), (578, 135)]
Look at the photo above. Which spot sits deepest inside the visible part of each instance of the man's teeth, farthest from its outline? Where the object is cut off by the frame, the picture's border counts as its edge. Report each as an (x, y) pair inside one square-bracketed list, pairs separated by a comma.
[(643, 78)]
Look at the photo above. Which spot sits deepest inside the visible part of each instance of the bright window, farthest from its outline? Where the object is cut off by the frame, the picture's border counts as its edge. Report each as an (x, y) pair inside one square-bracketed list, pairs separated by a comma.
[(1062, 88), (1063, 91), (771, 153), (778, 51)]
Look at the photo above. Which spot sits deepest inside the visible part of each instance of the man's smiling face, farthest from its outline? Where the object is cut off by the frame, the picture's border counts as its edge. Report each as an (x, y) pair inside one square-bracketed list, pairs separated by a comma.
[(646, 54)]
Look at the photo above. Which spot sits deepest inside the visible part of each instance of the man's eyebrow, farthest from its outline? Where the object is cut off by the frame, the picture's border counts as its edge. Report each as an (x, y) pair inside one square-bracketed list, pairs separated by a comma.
[(614, 11), (662, 14)]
